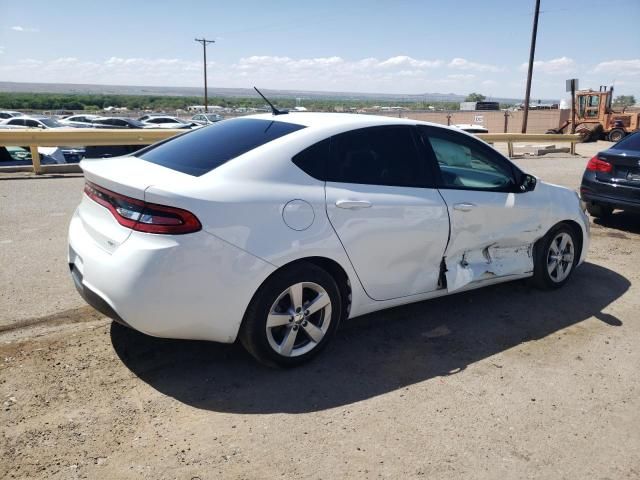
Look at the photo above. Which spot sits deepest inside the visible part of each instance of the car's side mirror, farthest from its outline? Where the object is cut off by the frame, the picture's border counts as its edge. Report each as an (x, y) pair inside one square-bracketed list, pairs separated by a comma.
[(527, 183)]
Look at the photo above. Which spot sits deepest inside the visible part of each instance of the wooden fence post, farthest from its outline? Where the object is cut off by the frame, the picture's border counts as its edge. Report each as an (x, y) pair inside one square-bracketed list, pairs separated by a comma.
[(35, 159)]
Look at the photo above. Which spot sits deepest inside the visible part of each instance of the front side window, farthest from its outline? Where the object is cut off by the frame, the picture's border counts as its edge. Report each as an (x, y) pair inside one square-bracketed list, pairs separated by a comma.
[(31, 123), (200, 151), (467, 164), (377, 156)]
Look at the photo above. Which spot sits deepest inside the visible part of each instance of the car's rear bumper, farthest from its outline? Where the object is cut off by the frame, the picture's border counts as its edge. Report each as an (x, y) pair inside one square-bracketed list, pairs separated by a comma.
[(92, 298), (193, 286), (619, 196)]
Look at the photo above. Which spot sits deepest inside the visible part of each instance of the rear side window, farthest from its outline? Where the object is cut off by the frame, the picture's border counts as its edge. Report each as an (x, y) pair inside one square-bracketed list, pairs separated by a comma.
[(377, 156), (313, 160), (200, 151), (631, 142)]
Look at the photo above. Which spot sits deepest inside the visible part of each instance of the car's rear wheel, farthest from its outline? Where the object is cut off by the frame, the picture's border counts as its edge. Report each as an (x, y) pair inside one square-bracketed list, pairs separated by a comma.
[(292, 316), (616, 135), (556, 257), (599, 211)]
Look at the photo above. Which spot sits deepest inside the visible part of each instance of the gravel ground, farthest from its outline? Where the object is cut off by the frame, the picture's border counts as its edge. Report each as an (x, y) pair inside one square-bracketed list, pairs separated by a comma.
[(504, 382)]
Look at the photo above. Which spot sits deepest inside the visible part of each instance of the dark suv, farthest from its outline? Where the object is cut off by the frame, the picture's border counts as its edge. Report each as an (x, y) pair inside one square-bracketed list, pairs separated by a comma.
[(612, 179)]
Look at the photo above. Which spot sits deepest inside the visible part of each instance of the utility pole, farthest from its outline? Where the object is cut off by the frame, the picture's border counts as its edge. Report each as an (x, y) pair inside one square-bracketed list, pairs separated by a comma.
[(532, 52), (204, 43)]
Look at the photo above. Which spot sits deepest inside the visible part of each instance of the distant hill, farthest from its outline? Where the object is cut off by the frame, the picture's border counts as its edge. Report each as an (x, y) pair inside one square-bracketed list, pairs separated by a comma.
[(71, 88)]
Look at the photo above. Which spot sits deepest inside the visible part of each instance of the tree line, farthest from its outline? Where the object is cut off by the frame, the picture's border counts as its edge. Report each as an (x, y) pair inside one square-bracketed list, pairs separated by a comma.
[(93, 102)]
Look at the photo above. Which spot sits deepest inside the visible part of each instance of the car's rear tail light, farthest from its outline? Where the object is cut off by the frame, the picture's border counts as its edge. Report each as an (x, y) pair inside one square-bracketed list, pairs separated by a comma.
[(142, 216), (597, 165)]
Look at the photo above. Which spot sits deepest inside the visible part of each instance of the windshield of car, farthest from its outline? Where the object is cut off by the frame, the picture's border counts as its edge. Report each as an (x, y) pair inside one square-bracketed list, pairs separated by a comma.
[(201, 151), (50, 122), (134, 122), (630, 142), (213, 117)]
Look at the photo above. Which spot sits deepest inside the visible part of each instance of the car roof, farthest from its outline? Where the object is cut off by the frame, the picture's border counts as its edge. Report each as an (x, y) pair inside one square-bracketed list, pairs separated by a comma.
[(349, 121)]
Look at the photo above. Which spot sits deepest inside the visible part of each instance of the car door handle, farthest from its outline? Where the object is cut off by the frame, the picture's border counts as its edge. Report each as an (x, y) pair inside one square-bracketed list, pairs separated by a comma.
[(353, 204), (464, 207)]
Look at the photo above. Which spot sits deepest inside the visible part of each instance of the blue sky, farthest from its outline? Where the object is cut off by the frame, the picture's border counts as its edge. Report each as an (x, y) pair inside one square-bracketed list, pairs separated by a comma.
[(367, 46)]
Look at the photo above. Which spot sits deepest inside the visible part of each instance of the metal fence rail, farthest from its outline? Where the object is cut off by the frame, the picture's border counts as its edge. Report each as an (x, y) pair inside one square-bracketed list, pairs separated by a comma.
[(81, 137), (511, 138)]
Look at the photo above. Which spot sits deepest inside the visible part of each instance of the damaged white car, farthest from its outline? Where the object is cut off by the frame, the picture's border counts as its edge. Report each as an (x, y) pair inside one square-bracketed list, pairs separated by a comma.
[(275, 228)]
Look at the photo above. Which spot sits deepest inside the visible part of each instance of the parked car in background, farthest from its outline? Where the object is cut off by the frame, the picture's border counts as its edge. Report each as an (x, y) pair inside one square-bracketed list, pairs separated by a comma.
[(471, 128), (19, 156), (31, 122), (274, 229), (149, 115), (84, 121), (206, 119), (118, 122), (4, 114), (612, 179), (164, 121)]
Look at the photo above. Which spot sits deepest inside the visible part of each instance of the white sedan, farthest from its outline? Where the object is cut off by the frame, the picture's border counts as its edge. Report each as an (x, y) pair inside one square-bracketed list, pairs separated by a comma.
[(163, 121), (275, 228)]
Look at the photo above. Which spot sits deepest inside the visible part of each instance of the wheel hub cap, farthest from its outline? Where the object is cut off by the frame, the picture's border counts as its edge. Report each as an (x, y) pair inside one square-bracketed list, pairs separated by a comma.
[(298, 319), (560, 257)]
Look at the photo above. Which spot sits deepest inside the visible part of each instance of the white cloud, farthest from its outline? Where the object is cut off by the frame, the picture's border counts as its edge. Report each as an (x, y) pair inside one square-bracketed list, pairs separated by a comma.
[(464, 64), (461, 76), (405, 61), (561, 65), (1, 49), (619, 67), (396, 74), (18, 28)]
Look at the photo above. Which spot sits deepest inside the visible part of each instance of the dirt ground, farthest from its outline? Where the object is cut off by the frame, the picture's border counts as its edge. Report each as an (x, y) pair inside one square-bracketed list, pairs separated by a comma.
[(504, 382)]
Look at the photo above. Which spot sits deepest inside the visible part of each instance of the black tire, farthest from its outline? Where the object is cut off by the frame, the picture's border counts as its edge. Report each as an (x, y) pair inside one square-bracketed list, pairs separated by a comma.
[(616, 135), (542, 278), (254, 334), (599, 211)]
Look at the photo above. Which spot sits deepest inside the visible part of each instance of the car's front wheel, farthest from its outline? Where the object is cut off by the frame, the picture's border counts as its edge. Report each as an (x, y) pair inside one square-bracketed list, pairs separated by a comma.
[(556, 257), (292, 316)]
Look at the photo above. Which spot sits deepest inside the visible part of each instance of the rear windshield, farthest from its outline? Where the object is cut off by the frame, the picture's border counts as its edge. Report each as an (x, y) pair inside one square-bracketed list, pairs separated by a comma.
[(205, 149), (631, 142)]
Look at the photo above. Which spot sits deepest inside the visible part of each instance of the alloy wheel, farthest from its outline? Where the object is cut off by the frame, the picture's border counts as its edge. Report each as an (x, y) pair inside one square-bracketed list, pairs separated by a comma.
[(560, 257), (299, 319)]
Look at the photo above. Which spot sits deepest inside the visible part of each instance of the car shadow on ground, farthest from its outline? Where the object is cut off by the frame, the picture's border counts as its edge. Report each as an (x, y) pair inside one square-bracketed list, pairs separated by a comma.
[(373, 354), (624, 221)]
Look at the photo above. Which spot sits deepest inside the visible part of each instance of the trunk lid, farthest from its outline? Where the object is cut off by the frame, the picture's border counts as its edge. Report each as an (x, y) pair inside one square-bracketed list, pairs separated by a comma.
[(128, 176), (626, 167)]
